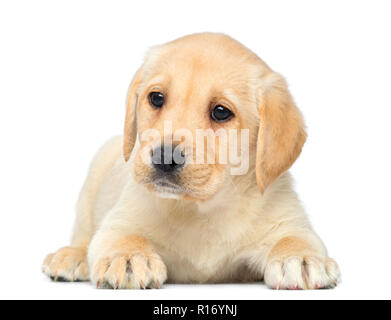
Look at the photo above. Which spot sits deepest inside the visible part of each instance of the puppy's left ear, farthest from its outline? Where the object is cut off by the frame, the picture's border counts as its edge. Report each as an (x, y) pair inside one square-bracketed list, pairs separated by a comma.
[(130, 132), (281, 133)]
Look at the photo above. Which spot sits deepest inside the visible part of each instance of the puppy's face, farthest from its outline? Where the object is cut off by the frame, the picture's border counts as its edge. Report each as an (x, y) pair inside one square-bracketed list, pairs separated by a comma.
[(191, 101)]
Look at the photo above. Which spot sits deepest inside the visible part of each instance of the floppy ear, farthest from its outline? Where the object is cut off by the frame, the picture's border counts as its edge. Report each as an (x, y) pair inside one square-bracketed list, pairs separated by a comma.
[(281, 133), (130, 133)]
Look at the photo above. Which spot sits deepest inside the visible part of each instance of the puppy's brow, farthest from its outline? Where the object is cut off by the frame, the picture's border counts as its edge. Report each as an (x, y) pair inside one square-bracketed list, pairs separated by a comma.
[(157, 80), (156, 83), (229, 95)]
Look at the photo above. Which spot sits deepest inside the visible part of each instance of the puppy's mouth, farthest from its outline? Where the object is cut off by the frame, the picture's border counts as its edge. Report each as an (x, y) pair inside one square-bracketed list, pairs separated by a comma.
[(167, 189)]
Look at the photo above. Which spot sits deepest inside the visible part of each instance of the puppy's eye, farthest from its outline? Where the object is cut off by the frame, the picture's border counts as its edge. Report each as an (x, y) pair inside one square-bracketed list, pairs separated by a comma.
[(221, 114), (156, 99)]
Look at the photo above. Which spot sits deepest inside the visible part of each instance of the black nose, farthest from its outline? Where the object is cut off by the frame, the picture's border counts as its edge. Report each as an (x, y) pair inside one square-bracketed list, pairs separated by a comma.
[(168, 158)]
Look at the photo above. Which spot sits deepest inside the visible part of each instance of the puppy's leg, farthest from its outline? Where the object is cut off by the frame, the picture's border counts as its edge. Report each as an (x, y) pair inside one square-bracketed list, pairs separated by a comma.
[(70, 263), (295, 263), (129, 262)]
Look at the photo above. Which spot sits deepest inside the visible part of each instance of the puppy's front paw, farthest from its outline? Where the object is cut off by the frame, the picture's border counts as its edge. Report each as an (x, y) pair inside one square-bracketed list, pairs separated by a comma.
[(297, 272), (131, 271), (67, 264)]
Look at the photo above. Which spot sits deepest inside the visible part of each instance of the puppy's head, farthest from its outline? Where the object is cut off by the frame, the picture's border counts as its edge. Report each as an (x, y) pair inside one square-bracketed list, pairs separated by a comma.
[(197, 103)]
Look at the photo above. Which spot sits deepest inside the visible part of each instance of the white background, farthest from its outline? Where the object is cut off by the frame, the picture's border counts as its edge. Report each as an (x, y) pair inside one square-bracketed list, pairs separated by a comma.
[(64, 70)]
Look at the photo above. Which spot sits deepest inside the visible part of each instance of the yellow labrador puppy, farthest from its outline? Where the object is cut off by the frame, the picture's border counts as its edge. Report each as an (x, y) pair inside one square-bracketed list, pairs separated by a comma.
[(146, 216)]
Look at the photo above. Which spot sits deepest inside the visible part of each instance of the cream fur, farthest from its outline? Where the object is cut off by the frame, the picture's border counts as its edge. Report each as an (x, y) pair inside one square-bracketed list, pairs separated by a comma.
[(234, 235)]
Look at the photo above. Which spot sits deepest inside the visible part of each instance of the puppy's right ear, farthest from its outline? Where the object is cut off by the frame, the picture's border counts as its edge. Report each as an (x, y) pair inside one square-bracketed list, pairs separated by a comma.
[(281, 134), (130, 133)]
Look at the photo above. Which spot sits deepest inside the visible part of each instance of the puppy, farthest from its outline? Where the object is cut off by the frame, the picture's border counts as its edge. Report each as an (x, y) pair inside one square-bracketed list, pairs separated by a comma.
[(146, 216)]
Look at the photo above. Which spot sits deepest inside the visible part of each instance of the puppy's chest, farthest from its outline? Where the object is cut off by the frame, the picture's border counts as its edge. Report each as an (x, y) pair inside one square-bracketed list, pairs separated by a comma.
[(198, 250)]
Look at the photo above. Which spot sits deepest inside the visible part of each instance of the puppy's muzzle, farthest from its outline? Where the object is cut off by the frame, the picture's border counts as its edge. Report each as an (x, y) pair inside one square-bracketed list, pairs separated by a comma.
[(168, 159)]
